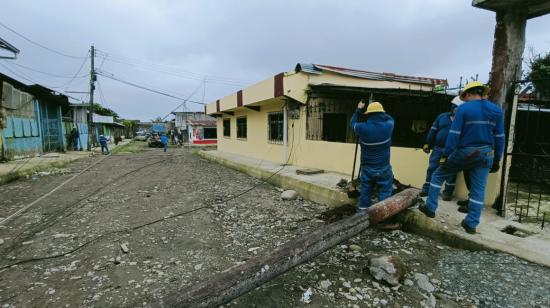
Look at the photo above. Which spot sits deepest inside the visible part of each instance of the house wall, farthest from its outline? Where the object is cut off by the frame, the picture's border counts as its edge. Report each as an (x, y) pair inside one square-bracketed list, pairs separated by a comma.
[(21, 136), (409, 164)]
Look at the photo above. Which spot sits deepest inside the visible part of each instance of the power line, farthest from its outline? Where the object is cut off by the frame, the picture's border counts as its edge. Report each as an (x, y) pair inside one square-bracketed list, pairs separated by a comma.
[(38, 44), (18, 74), (168, 69), (147, 88), (46, 73)]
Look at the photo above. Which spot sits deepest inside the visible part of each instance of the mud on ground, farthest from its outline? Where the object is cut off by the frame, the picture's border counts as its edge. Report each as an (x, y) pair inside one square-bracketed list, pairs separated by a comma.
[(71, 248)]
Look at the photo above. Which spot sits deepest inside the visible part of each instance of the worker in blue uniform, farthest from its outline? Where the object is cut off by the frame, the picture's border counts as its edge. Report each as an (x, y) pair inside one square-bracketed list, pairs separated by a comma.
[(476, 144), (375, 136), (104, 147), (164, 141), (435, 142)]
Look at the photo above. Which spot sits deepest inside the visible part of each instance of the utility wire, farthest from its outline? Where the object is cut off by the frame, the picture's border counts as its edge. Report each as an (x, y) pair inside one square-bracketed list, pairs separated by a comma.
[(68, 76), (147, 88), (38, 44)]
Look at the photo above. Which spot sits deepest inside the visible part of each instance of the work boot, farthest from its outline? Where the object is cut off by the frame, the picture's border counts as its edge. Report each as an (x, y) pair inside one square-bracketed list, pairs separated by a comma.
[(423, 194), (424, 209), (463, 202), (446, 197), (467, 229), (463, 209)]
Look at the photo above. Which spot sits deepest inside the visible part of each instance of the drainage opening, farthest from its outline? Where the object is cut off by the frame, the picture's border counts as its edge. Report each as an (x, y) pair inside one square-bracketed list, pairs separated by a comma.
[(516, 231)]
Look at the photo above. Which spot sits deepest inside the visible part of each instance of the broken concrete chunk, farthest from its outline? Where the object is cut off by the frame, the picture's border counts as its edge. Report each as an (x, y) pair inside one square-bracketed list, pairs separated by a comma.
[(424, 283), (117, 260), (124, 247), (289, 195), (355, 247), (387, 268), (325, 284)]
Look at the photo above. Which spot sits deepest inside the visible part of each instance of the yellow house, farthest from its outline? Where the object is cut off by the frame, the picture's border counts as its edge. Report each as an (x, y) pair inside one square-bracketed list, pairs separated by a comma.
[(301, 117)]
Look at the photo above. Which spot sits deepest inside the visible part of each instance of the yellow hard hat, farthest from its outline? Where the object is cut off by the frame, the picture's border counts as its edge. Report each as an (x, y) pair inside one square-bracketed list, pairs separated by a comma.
[(374, 107), (474, 84)]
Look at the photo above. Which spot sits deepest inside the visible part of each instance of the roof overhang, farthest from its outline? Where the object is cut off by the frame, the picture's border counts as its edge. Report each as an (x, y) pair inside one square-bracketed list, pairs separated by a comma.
[(535, 8), (9, 47)]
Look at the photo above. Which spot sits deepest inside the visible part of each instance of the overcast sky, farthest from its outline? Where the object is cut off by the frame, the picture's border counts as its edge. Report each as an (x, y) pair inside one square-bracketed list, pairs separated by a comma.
[(171, 45)]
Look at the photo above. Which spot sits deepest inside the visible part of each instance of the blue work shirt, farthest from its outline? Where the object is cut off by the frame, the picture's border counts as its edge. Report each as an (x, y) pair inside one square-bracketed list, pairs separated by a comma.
[(164, 139), (375, 138), (477, 123), (437, 136), (102, 140)]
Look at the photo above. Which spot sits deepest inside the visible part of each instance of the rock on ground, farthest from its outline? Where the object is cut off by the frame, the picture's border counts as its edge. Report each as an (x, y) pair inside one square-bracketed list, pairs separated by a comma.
[(289, 195), (424, 283), (387, 268)]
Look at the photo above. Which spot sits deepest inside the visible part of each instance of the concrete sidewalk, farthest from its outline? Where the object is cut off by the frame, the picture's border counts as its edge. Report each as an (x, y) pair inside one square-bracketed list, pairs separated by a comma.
[(14, 169), (526, 242)]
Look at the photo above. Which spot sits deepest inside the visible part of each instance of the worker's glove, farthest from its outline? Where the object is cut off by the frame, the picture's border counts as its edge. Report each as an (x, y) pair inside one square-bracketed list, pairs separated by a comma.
[(495, 167), (442, 160), (426, 148)]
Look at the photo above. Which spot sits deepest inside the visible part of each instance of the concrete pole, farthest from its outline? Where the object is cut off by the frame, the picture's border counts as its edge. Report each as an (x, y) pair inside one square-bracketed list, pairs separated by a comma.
[(508, 49)]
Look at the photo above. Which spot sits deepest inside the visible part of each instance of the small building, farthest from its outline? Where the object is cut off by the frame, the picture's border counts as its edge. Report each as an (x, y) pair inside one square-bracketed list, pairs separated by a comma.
[(108, 127), (197, 127), (301, 117), (30, 119)]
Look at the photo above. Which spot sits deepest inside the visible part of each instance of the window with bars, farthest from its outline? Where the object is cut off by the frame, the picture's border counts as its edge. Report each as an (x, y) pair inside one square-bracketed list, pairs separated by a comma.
[(241, 127), (275, 122), (227, 127)]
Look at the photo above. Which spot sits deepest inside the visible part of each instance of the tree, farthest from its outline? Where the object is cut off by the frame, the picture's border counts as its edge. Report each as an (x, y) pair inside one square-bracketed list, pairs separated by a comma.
[(539, 74), (98, 109)]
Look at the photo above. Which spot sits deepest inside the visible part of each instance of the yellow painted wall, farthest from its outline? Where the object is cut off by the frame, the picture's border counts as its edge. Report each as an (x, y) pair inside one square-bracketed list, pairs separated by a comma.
[(256, 144), (260, 91), (409, 165)]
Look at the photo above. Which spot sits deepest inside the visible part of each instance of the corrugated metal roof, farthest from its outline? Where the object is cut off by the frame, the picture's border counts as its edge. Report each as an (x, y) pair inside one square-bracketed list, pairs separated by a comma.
[(318, 69)]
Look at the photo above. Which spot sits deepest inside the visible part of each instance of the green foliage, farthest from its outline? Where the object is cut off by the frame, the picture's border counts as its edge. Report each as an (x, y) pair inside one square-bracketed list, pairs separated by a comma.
[(129, 124), (540, 74), (98, 109)]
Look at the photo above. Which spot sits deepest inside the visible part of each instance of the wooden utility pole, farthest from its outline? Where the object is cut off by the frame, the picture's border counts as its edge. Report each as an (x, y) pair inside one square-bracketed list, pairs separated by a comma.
[(237, 280), (93, 78)]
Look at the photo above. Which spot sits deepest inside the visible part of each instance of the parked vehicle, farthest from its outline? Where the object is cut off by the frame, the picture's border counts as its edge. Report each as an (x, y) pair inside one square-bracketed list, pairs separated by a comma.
[(154, 141), (141, 136)]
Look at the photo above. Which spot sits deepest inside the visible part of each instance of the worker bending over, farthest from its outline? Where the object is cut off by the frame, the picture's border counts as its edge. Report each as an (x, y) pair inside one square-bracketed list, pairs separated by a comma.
[(435, 141), (375, 137), (476, 144), (103, 142)]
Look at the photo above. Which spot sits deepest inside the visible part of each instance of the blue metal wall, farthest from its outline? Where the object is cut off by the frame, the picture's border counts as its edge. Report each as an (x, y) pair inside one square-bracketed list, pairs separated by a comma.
[(21, 137)]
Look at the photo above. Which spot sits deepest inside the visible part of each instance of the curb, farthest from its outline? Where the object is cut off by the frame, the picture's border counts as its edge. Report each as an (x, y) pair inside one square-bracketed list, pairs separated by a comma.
[(14, 176), (316, 193)]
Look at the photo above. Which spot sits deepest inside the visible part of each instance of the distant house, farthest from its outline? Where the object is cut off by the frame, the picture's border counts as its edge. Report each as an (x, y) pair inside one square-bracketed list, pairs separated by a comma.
[(301, 117), (108, 127), (30, 119), (198, 127)]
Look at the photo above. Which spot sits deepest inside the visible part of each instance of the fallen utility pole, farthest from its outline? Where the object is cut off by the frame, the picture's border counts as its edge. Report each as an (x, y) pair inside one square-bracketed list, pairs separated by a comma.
[(238, 280)]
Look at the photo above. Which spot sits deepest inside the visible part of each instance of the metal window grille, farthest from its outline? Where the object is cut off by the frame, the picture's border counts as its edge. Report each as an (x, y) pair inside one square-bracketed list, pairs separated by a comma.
[(241, 127), (227, 127), (275, 121)]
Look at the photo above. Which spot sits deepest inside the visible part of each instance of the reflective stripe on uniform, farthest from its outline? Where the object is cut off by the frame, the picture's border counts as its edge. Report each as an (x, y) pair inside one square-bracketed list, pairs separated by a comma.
[(434, 128), (499, 135), (481, 123), (435, 185), (450, 184), (377, 143), (475, 201), (454, 132)]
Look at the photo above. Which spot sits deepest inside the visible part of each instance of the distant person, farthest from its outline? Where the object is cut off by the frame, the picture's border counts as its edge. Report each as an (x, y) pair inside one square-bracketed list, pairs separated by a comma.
[(103, 142), (435, 142), (375, 135), (164, 141)]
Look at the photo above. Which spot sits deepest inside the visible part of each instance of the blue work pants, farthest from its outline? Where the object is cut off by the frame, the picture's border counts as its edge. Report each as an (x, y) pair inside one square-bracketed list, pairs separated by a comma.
[(104, 149), (433, 164), (477, 161), (381, 177), (165, 145)]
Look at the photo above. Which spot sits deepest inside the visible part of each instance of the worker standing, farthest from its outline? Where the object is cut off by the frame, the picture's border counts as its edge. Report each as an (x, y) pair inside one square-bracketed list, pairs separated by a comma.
[(375, 135), (103, 143), (476, 144), (164, 141), (435, 142)]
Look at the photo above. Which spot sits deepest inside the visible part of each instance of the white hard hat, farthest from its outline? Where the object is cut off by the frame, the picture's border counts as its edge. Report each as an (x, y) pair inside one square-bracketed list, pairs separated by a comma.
[(457, 101)]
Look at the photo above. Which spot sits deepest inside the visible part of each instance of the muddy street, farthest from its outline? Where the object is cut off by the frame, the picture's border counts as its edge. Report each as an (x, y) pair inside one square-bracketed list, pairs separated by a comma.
[(138, 226)]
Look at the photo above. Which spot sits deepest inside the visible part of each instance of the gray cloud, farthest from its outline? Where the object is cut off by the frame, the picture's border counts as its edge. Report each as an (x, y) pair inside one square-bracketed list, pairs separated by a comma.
[(241, 42)]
